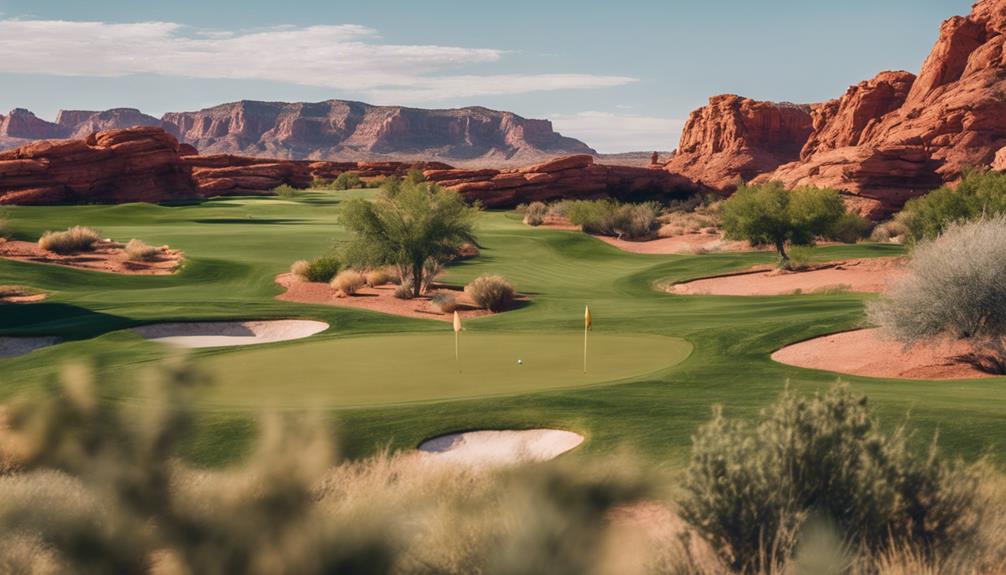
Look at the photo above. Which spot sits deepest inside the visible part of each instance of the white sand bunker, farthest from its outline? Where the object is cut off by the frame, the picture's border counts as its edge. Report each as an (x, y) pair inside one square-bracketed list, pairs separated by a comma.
[(14, 346), (221, 334), (500, 448)]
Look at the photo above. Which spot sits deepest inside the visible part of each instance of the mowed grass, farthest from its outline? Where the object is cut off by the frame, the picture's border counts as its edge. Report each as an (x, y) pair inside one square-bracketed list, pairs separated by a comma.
[(235, 247)]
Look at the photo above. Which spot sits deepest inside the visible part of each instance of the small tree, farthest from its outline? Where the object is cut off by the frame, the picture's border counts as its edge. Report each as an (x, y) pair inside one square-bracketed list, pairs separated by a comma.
[(955, 289), (409, 223), (978, 194), (770, 215), (348, 181)]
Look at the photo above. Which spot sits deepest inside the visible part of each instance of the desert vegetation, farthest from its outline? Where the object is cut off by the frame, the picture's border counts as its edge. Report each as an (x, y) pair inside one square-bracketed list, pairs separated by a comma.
[(979, 194), (769, 214), (348, 282), (413, 225), (492, 292), (72, 240), (955, 290), (138, 250), (321, 269)]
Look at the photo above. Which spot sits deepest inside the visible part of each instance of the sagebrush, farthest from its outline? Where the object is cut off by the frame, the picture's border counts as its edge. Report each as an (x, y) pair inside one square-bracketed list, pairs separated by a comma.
[(72, 240)]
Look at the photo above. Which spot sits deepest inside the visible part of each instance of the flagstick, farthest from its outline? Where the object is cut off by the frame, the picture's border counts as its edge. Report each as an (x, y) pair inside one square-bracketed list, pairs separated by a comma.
[(457, 357), (585, 349)]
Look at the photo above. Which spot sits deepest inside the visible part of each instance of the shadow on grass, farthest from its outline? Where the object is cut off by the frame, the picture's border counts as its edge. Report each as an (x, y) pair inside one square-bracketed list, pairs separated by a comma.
[(52, 318)]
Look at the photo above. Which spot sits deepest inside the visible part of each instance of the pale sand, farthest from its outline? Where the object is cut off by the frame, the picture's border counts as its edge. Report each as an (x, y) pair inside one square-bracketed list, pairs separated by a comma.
[(499, 448), (866, 352), (14, 346), (221, 334), (692, 244), (859, 275), (108, 256)]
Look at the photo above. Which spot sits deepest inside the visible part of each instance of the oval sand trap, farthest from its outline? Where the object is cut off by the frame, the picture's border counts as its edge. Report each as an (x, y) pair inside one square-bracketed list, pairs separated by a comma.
[(223, 334), (498, 448), (865, 352), (863, 275), (15, 346)]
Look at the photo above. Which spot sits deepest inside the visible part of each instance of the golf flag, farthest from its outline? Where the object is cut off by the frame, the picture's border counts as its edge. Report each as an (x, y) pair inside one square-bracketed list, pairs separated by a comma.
[(457, 331), (587, 322)]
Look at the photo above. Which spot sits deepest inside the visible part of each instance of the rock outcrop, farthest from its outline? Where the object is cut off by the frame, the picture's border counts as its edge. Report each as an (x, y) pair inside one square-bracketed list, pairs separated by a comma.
[(564, 178), (148, 164), (735, 138), (141, 164), (81, 123)]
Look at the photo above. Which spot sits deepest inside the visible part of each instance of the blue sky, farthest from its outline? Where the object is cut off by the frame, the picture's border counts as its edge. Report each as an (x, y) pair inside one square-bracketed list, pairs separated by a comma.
[(620, 75)]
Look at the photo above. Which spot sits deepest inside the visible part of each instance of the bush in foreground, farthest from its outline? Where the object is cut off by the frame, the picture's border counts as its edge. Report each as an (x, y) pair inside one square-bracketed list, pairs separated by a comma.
[(320, 270), (73, 240), (752, 487), (138, 250), (348, 282), (955, 290), (491, 292)]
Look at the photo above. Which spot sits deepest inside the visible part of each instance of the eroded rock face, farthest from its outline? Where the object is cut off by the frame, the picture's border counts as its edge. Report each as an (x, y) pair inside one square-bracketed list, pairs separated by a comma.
[(21, 123), (735, 138), (82, 123)]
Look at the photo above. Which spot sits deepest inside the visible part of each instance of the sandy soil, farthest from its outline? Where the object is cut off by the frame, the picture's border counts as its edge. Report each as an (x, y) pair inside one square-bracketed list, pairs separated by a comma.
[(19, 294), (866, 352), (693, 244), (381, 299), (14, 346), (220, 334), (108, 257), (500, 448), (859, 275)]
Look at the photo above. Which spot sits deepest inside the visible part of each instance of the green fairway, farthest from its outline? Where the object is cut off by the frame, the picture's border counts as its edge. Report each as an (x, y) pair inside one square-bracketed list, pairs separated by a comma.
[(388, 380), (421, 367)]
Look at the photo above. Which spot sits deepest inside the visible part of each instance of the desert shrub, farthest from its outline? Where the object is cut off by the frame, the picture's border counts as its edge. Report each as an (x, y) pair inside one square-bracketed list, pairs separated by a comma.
[(138, 250), (849, 228), (894, 230), (404, 290), (414, 176), (320, 270), (955, 289), (377, 277), (609, 218), (347, 181), (285, 191), (348, 282), (445, 302), (590, 215), (406, 226), (770, 215), (491, 292), (752, 486), (75, 239), (979, 194), (534, 213), (800, 257), (559, 209)]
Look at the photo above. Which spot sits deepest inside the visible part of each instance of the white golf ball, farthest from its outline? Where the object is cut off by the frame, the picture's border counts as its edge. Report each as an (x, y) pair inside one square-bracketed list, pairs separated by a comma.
[(520, 362)]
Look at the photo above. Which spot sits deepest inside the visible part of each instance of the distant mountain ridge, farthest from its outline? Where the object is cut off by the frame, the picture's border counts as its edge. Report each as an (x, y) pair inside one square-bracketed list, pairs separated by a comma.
[(329, 130)]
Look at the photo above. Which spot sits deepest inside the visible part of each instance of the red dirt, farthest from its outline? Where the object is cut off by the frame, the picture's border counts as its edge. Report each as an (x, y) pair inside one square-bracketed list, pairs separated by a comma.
[(866, 352), (379, 299), (107, 257), (858, 275)]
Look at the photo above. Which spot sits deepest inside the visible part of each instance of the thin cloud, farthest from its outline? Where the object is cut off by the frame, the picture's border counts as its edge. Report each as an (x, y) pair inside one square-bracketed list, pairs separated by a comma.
[(346, 57), (613, 133)]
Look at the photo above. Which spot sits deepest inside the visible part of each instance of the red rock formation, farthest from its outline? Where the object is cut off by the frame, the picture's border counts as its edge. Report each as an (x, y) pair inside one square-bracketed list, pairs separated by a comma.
[(81, 123), (114, 166), (21, 123), (563, 178), (735, 138)]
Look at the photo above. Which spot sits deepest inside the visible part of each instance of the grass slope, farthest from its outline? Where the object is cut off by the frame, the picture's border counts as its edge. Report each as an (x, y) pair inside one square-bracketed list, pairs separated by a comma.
[(235, 247)]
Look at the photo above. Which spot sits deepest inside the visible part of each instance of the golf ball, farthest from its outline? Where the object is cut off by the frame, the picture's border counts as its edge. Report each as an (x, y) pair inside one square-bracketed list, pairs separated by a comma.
[(520, 362)]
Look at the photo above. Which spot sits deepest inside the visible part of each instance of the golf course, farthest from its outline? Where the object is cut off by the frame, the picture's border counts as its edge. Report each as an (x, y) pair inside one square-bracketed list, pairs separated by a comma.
[(657, 362)]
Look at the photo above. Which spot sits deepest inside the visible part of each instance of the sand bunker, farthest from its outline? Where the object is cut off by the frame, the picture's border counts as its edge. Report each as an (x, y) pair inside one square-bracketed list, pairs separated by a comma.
[(859, 275), (500, 448), (866, 352), (221, 334), (15, 346), (107, 256), (20, 294), (380, 298), (686, 244)]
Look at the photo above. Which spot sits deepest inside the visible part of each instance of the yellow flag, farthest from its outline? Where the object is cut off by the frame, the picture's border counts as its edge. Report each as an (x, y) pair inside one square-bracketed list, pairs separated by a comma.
[(587, 321), (457, 322)]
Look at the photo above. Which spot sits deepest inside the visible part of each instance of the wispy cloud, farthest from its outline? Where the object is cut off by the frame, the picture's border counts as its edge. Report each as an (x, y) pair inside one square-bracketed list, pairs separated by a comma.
[(346, 57), (612, 133)]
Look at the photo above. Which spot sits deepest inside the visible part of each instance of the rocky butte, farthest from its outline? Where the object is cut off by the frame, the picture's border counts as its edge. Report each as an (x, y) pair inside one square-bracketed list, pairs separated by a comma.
[(884, 141)]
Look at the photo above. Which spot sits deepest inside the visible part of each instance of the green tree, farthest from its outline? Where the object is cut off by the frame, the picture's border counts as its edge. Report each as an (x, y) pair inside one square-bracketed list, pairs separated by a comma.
[(408, 223), (348, 181), (770, 215), (979, 193)]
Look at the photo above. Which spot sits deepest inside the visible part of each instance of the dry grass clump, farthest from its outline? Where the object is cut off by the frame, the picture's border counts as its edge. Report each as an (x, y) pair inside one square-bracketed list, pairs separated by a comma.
[(491, 292), (73, 240), (445, 302), (378, 277), (404, 290), (320, 270), (534, 213), (348, 282), (137, 250)]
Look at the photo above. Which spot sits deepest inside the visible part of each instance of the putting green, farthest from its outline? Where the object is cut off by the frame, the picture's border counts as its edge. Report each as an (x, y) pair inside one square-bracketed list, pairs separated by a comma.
[(374, 370)]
